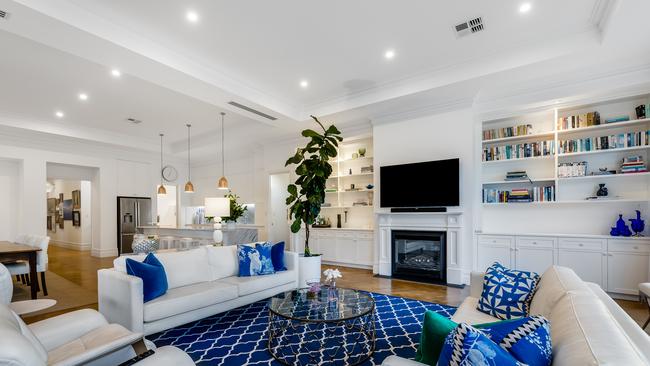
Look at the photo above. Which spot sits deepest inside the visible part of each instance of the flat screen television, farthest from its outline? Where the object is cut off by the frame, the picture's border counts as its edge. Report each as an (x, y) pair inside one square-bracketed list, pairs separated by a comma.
[(427, 184)]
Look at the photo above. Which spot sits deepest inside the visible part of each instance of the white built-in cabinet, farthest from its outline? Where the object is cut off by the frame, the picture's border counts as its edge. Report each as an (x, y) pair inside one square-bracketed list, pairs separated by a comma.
[(352, 248), (618, 265), (134, 179)]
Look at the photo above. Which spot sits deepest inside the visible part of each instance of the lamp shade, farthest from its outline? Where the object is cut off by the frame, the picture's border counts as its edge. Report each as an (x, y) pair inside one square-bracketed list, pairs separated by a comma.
[(217, 206)]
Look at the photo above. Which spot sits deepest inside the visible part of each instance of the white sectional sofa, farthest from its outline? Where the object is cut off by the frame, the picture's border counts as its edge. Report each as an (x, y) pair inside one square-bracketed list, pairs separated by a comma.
[(587, 326), (202, 282)]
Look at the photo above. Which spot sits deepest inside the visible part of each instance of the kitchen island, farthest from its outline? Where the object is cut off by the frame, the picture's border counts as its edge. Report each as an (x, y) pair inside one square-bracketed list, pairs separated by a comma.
[(232, 234)]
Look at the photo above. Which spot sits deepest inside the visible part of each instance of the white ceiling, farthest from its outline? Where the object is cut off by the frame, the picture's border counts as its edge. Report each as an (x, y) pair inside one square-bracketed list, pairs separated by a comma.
[(256, 52)]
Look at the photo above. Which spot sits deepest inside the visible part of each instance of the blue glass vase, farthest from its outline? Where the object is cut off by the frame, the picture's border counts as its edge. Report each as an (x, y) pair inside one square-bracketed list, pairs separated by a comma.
[(637, 224), (622, 227)]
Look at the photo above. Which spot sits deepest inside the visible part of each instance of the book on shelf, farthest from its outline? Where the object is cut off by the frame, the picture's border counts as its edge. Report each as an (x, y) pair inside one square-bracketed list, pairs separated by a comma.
[(578, 121), (633, 164), (618, 141), (535, 194), (498, 133), (519, 151), (518, 175), (570, 170)]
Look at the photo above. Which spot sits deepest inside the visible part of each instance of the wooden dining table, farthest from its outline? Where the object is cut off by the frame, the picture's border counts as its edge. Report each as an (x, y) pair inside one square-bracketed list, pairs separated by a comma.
[(11, 252)]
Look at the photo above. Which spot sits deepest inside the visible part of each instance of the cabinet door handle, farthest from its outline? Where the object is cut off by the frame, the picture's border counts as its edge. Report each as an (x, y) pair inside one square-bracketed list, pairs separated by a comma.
[(610, 255), (534, 243), (581, 245), (636, 247)]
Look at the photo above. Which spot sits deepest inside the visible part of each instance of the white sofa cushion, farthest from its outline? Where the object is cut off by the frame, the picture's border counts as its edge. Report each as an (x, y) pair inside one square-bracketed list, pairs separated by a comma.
[(253, 284), (223, 261), (182, 267), (94, 339), (554, 284), (468, 313), (187, 298), (583, 332)]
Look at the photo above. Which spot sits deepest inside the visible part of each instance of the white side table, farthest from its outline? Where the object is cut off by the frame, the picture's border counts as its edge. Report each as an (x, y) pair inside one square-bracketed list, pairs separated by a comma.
[(31, 306)]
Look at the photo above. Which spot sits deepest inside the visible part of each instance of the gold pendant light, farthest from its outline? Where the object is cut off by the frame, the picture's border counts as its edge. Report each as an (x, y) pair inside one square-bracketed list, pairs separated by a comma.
[(189, 187), (161, 188), (223, 182)]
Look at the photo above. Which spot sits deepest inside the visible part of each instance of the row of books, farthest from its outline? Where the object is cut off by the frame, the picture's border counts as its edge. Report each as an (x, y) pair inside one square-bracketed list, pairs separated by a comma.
[(497, 133), (578, 121), (623, 140), (518, 151), (633, 164), (535, 194), (517, 175)]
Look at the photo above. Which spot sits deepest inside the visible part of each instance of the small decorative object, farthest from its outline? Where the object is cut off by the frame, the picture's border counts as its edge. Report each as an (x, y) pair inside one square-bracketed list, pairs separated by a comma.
[(331, 275), (350, 171), (144, 244), (352, 186), (76, 218), (236, 210), (614, 232), (622, 228), (602, 191), (338, 221), (76, 200), (362, 152), (638, 225), (641, 112), (370, 186), (355, 156)]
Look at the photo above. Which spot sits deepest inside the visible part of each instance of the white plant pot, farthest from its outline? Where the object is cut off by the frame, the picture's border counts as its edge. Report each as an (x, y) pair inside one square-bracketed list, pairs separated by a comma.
[(308, 269)]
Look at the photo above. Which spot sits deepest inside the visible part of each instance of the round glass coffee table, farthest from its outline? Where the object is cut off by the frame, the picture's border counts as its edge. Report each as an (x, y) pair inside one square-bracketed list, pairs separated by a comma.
[(329, 326)]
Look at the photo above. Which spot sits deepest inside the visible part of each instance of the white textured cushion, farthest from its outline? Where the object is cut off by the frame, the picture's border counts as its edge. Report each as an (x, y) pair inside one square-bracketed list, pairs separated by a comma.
[(94, 339), (17, 342), (583, 332), (187, 298), (253, 284), (553, 285), (182, 268), (223, 261), (467, 313), (6, 285)]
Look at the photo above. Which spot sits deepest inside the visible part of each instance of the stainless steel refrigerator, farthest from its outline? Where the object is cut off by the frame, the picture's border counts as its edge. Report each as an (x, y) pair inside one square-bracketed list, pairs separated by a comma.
[(132, 212)]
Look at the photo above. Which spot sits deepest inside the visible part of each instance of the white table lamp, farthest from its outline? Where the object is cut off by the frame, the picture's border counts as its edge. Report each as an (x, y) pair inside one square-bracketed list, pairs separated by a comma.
[(217, 207)]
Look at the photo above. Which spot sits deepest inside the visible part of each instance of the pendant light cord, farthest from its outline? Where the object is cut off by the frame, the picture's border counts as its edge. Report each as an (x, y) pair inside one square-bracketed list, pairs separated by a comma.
[(161, 159), (223, 156), (189, 176)]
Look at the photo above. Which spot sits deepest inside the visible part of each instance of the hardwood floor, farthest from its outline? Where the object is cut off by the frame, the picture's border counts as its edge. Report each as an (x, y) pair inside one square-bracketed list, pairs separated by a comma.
[(72, 281)]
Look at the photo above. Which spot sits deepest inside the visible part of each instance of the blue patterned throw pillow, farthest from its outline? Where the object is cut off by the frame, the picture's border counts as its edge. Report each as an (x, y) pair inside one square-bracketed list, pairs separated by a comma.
[(468, 346), (255, 261), (526, 339), (507, 293)]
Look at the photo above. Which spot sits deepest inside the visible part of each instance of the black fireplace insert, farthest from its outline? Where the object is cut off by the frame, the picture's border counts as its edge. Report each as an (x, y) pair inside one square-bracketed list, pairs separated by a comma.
[(419, 255)]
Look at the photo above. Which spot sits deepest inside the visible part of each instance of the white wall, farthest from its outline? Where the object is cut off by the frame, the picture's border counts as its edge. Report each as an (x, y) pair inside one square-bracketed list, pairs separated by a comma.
[(9, 208), (441, 136), (73, 237)]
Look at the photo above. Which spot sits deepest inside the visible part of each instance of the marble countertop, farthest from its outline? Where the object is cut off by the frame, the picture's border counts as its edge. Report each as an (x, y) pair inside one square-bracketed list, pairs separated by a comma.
[(207, 227)]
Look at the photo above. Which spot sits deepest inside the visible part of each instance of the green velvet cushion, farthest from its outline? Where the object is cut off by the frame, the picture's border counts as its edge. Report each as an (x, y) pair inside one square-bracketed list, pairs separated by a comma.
[(435, 329)]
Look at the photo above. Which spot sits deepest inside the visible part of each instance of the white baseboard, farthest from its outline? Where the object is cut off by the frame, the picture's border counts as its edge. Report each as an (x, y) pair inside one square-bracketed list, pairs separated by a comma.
[(112, 252), (82, 247), (351, 265)]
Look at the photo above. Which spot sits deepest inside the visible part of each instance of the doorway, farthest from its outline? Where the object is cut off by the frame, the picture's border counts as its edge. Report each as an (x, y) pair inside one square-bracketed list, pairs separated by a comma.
[(167, 207), (278, 219)]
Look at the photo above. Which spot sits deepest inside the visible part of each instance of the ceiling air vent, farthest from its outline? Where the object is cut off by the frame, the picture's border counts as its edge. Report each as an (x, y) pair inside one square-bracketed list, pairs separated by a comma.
[(134, 121), (471, 26), (249, 109), (4, 14)]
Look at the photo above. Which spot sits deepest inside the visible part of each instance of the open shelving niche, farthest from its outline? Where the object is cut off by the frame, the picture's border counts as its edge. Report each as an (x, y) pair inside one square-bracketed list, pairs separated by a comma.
[(347, 171), (543, 171)]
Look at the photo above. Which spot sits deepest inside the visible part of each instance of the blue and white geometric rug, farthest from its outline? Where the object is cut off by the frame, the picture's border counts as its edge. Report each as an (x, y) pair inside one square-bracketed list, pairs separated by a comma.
[(238, 337)]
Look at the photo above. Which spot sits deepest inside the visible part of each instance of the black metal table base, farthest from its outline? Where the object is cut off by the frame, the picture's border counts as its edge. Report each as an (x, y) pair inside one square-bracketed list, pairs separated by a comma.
[(341, 342)]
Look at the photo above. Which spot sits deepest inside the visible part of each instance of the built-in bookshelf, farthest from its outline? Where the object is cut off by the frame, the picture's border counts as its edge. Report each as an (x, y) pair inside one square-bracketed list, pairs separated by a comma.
[(350, 188), (607, 139)]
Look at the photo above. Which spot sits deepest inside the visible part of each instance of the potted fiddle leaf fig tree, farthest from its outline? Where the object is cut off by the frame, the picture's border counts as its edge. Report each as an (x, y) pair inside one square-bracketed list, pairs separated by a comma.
[(307, 193)]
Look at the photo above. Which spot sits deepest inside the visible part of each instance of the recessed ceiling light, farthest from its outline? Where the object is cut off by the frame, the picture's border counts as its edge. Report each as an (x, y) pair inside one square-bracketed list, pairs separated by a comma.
[(389, 55), (192, 16), (59, 114), (304, 84), (525, 7), (83, 96), (116, 73)]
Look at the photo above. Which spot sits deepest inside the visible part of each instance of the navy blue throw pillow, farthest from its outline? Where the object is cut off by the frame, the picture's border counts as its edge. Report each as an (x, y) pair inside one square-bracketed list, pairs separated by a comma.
[(152, 273), (277, 256)]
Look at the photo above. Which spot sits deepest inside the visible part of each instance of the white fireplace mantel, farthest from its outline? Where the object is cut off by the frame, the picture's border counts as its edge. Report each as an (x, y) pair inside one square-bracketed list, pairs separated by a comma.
[(449, 222)]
